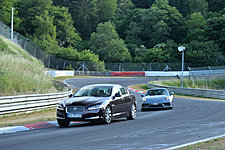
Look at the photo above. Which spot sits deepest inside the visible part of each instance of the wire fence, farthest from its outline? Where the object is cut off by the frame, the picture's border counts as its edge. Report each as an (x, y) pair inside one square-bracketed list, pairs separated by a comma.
[(52, 62), (209, 74)]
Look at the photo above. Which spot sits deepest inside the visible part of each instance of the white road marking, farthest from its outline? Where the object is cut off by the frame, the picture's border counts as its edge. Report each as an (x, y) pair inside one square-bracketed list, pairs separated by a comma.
[(196, 142)]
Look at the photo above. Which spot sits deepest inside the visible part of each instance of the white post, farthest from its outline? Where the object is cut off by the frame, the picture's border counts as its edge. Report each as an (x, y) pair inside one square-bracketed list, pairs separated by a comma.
[(182, 74), (181, 49), (12, 25)]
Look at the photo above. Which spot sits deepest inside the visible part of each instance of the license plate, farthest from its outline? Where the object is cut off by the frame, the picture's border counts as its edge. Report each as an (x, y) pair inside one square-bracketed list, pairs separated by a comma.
[(155, 103), (74, 115)]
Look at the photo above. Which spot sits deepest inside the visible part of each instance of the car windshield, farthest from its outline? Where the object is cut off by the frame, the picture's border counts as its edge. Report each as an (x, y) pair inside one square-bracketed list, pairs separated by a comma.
[(96, 91), (157, 92)]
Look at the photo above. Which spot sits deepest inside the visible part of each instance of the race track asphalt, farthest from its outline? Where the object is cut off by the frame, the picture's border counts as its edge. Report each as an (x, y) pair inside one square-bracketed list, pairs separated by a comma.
[(190, 120)]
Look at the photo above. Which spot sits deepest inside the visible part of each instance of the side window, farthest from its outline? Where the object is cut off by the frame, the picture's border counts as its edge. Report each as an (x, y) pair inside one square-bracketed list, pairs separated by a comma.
[(116, 90), (123, 91)]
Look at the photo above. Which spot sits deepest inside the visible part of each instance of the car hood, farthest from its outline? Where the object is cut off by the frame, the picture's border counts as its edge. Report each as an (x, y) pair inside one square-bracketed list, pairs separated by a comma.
[(85, 101), (156, 98)]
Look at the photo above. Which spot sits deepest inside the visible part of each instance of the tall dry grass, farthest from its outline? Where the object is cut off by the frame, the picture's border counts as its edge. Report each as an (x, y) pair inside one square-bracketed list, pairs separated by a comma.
[(21, 73)]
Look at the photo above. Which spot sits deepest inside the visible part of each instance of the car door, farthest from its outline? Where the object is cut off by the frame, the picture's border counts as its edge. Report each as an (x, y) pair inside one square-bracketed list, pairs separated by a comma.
[(117, 102), (126, 100)]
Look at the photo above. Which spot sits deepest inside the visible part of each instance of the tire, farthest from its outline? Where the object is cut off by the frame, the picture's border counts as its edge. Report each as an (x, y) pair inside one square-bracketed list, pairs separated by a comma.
[(172, 105), (63, 123), (107, 118), (142, 109), (132, 113)]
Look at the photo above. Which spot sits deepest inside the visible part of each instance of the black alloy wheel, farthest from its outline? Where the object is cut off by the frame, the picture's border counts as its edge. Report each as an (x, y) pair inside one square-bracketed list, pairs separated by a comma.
[(63, 123), (133, 111)]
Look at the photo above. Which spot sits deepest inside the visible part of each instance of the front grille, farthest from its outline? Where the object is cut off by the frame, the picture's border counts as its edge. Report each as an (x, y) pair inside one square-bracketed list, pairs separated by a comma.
[(145, 105), (160, 105), (75, 109)]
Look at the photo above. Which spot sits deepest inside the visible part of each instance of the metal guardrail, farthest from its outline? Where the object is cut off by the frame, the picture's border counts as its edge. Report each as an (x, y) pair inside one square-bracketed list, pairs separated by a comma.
[(15, 104), (219, 94)]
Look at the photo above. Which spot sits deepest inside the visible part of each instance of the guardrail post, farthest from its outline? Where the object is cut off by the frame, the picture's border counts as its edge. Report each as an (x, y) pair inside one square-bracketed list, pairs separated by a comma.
[(103, 64), (35, 51), (189, 73), (209, 72), (25, 44)]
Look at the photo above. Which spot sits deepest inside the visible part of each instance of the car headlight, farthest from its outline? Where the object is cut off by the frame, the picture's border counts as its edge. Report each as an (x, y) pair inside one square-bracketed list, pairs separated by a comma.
[(144, 99), (93, 107), (60, 107), (167, 98)]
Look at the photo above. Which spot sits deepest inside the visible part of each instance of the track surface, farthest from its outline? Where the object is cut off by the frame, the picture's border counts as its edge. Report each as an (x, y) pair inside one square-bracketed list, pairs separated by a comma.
[(189, 121)]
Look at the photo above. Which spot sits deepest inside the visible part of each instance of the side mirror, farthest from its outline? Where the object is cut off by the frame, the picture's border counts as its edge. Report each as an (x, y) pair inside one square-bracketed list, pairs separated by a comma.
[(171, 93), (142, 95), (71, 95), (117, 95)]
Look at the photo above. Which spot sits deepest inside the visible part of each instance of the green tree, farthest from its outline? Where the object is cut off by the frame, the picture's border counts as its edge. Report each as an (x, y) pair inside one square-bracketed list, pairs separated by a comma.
[(170, 48), (85, 15), (66, 34), (174, 20), (106, 43), (88, 13), (200, 6), (139, 54), (215, 31), (216, 5), (182, 6), (106, 10), (5, 12), (30, 11), (133, 37), (155, 29), (202, 53), (143, 3), (43, 27), (123, 6), (156, 54), (132, 17), (196, 27)]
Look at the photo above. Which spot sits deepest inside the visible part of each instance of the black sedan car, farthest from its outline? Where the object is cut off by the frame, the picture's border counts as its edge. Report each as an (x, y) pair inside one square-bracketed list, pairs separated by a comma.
[(97, 102)]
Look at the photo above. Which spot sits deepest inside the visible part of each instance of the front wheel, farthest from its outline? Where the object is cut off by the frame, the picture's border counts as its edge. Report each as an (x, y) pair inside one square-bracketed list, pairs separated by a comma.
[(63, 123), (172, 105), (107, 115), (132, 114)]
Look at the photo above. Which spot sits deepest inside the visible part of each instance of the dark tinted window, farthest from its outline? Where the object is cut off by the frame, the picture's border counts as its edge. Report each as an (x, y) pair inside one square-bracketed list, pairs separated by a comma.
[(157, 92), (96, 91), (123, 91)]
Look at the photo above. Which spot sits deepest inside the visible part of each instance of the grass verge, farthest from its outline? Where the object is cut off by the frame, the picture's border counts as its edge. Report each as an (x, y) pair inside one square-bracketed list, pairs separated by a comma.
[(214, 83), (216, 144), (26, 118)]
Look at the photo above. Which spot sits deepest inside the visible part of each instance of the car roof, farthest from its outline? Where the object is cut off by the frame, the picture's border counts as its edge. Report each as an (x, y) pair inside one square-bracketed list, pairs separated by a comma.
[(104, 85), (157, 89)]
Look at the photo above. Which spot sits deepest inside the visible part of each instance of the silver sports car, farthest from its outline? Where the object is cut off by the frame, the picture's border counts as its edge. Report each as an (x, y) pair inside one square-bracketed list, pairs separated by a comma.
[(157, 99)]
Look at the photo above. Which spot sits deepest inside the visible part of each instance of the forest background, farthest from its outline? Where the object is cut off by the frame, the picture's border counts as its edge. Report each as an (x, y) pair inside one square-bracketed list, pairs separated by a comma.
[(125, 31)]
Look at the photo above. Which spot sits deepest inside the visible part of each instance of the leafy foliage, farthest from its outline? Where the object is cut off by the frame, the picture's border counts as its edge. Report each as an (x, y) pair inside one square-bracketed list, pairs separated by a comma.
[(106, 43), (123, 30), (5, 12)]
